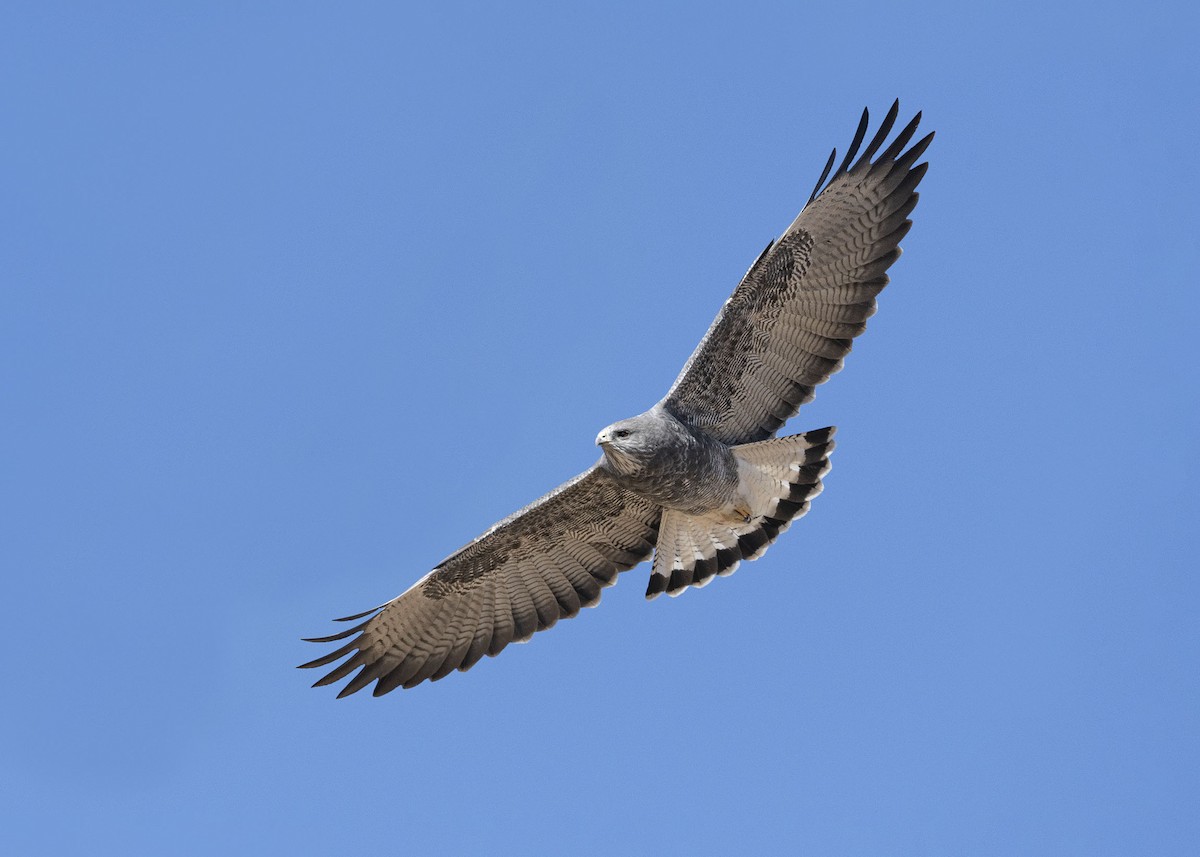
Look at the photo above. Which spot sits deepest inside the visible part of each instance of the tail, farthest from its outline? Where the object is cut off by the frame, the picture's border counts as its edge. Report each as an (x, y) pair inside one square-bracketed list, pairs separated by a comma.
[(778, 477)]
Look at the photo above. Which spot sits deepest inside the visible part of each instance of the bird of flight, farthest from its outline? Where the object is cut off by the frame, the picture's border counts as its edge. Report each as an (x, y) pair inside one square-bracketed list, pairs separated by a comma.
[(700, 480)]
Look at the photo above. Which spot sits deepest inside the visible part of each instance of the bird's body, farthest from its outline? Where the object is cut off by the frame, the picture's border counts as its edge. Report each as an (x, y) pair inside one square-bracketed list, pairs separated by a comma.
[(669, 463), (698, 481)]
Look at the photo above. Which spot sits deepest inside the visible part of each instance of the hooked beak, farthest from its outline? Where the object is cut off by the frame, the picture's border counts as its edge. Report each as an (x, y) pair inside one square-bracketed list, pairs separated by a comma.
[(603, 438)]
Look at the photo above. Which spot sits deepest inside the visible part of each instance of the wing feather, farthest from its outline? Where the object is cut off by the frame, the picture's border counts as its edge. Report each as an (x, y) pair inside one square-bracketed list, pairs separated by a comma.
[(453, 639), (585, 585), (542, 564), (464, 632), (481, 639), (790, 323)]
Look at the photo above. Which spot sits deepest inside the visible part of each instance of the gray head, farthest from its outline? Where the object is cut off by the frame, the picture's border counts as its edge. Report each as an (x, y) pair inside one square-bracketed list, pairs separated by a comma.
[(630, 444)]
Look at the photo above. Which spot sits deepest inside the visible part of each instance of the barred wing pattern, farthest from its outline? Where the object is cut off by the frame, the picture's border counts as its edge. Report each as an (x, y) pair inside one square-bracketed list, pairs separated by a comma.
[(793, 318), (535, 567)]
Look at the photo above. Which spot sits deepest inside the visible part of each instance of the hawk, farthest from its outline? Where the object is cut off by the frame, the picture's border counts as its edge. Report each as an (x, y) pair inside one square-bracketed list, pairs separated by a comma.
[(699, 481)]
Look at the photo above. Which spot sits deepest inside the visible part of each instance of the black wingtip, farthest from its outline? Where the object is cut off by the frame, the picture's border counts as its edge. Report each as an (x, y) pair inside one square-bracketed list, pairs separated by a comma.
[(881, 135), (360, 615), (885, 128), (918, 149), (341, 635), (859, 134), (329, 658), (824, 175), (897, 145)]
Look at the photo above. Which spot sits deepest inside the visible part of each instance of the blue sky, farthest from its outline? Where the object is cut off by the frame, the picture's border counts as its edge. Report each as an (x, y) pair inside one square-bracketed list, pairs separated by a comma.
[(298, 298)]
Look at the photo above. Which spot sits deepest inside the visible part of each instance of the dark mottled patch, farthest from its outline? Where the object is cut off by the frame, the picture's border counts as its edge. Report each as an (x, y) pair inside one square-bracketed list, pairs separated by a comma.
[(713, 384), (591, 508), (777, 273), (465, 574)]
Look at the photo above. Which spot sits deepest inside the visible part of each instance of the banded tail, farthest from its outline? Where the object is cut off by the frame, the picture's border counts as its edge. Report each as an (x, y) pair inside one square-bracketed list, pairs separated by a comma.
[(779, 477)]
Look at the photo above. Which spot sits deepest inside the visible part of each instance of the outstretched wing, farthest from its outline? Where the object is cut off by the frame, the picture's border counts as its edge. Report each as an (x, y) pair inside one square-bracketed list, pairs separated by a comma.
[(793, 318), (533, 568)]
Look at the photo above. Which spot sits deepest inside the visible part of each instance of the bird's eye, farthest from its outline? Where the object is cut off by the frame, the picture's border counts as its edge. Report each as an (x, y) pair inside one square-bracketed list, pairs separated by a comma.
[(622, 433)]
